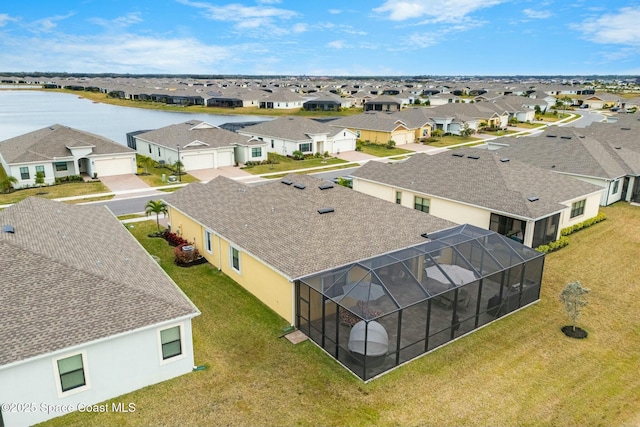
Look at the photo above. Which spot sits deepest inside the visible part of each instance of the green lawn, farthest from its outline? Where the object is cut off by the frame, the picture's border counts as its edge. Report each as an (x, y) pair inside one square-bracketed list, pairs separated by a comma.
[(521, 370), (381, 150), (152, 175), (287, 164), (55, 191), (448, 140)]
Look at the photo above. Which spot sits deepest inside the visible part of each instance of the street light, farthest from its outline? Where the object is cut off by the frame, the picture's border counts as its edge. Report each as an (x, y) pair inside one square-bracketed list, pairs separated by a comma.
[(179, 177)]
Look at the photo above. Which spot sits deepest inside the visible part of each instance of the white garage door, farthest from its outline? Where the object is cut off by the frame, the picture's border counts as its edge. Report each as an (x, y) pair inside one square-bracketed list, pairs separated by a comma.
[(225, 158), (197, 161), (117, 166)]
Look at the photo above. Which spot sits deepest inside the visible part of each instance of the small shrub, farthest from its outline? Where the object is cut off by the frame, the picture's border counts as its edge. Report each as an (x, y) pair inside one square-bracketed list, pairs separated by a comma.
[(185, 257), (543, 248), (358, 147), (297, 155), (584, 224), (390, 144)]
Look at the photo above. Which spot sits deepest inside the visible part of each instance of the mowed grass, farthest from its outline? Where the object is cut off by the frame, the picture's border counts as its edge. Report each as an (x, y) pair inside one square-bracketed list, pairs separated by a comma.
[(381, 150), (519, 371), (55, 191), (448, 140), (288, 164)]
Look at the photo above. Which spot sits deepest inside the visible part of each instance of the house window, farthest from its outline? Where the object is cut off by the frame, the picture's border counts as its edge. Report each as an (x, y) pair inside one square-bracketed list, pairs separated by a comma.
[(615, 187), (577, 208), (256, 152), (207, 241), (399, 197), (305, 147), (422, 204), (40, 169), (71, 372), (235, 259), (24, 172), (171, 343), (60, 166), (158, 151), (272, 144)]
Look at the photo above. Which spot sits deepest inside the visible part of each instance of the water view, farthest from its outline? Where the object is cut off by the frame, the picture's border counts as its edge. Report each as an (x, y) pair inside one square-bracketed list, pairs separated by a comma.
[(25, 111)]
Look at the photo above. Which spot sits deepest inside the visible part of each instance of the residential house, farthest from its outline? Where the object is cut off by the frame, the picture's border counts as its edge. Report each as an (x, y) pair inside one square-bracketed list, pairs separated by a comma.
[(576, 152), (490, 191), (201, 145), (454, 118), (282, 100), (383, 103), (285, 135), (326, 102), (337, 263), (602, 100), (59, 151), (87, 314), (377, 128)]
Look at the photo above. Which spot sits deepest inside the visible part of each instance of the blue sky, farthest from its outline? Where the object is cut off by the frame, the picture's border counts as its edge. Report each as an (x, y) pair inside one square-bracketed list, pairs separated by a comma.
[(322, 37)]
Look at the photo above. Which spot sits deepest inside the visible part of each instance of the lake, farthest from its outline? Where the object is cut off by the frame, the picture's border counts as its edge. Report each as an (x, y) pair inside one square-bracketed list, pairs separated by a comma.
[(23, 111)]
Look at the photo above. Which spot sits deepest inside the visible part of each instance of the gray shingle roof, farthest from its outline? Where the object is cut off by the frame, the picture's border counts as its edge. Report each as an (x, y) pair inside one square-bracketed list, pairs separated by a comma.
[(51, 142), (566, 150), (73, 274), (385, 122), (290, 128), (190, 131), (280, 224), (487, 181)]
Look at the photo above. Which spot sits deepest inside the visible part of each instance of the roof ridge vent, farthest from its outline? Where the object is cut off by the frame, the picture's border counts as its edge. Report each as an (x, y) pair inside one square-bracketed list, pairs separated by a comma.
[(8, 229), (457, 154), (322, 211), (565, 137), (299, 186), (474, 157), (326, 186), (504, 160), (625, 128), (551, 136), (533, 199), (286, 182)]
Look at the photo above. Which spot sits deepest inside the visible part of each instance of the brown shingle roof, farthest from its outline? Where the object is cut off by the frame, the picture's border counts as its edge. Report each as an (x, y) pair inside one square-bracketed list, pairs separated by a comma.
[(190, 131), (280, 224), (73, 274)]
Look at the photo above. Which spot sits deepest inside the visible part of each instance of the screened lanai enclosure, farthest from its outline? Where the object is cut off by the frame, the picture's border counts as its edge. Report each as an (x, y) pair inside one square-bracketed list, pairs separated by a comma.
[(375, 314)]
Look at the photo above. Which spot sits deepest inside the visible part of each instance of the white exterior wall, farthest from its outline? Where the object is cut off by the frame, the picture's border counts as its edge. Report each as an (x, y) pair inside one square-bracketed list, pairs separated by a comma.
[(49, 174), (607, 197), (591, 209), (113, 367)]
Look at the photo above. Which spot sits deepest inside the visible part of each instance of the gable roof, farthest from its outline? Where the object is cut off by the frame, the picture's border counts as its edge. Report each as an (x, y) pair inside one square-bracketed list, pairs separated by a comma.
[(284, 229), (72, 274), (485, 181), (290, 128), (382, 122), (50, 143), (193, 134)]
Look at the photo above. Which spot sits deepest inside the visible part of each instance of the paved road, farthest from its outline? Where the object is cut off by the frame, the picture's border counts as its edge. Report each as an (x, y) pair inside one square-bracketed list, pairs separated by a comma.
[(587, 118)]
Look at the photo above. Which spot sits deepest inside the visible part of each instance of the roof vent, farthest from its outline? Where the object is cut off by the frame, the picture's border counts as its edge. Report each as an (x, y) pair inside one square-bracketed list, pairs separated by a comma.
[(565, 137), (286, 181), (580, 136), (505, 160), (457, 154), (551, 136), (617, 148), (325, 210), (533, 199), (326, 186), (625, 128), (8, 229), (425, 235), (300, 186), (473, 157)]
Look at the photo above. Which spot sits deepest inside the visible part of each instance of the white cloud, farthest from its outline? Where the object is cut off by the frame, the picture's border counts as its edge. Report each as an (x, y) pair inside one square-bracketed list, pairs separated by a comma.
[(121, 21), (613, 28), (335, 11), (537, 14), (336, 44), (434, 10), (47, 24), (300, 28), (421, 40), (238, 12), (4, 19)]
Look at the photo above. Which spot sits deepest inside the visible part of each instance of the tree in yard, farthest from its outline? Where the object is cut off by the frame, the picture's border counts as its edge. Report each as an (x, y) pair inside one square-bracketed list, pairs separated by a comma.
[(390, 144), (7, 183), (466, 130), (437, 133), (156, 207), (574, 298), (39, 178)]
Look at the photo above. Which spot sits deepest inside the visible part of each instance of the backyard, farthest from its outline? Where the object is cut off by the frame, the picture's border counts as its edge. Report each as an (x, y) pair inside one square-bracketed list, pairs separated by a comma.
[(521, 370)]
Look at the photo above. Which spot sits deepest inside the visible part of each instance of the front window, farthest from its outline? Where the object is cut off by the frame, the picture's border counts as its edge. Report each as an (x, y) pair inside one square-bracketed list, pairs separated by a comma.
[(171, 343), (577, 208), (40, 169), (399, 197), (256, 152), (615, 187), (24, 172), (306, 147), (235, 259), (71, 372), (60, 166), (422, 204)]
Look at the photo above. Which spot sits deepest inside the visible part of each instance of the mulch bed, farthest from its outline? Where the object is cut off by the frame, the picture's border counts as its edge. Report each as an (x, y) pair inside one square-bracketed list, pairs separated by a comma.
[(576, 332)]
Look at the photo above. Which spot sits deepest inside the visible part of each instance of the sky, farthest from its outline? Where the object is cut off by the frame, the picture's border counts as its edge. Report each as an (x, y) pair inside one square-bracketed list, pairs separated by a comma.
[(322, 37)]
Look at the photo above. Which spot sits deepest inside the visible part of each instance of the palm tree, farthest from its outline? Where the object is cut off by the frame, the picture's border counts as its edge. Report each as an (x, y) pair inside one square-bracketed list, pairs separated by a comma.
[(7, 183), (156, 207)]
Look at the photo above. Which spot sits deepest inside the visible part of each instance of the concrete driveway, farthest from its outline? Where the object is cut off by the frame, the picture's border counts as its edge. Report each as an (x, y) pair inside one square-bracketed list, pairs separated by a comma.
[(126, 182), (206, 175)]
